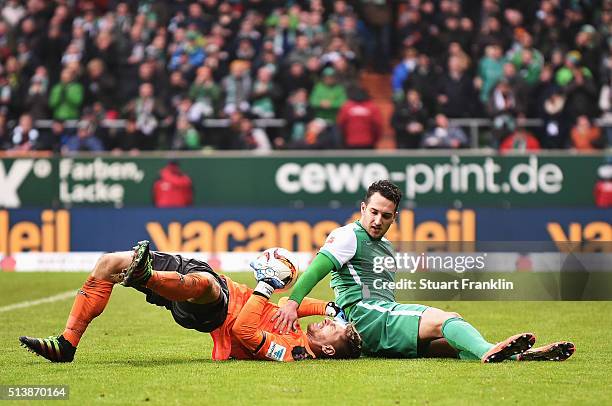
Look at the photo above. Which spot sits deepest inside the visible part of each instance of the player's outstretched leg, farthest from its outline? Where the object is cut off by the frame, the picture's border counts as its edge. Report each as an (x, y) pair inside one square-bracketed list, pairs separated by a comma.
[(559, 351), (140, 269), (89, 303), (468, 341), (516, 344), (55, 349)]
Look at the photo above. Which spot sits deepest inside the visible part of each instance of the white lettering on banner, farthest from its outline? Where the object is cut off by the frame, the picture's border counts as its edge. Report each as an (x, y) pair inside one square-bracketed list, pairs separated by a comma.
[(11, 181), (422, 178), (315, 177), (86, 182)]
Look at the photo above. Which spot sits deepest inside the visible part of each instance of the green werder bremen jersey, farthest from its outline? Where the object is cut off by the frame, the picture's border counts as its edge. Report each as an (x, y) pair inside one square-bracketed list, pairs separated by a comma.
[(361, 263)]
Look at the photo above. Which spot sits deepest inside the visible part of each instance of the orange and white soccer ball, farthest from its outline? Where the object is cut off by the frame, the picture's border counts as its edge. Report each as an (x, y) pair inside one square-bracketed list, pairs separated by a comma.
[(277, 263)]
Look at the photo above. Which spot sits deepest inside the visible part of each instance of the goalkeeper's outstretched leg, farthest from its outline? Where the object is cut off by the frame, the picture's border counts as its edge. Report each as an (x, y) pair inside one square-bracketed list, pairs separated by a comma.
[(164, 288)]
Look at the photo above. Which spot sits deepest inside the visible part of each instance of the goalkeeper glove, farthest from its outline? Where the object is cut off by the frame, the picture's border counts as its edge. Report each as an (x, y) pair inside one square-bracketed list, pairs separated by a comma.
[(265, 283)]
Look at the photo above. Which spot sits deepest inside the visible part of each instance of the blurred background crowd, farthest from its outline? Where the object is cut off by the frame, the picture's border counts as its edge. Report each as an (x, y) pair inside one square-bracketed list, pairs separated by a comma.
[(104, 75)]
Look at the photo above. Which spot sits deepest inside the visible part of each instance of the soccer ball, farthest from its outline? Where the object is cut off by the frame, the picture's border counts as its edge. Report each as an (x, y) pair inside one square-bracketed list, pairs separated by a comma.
[(279, 263)]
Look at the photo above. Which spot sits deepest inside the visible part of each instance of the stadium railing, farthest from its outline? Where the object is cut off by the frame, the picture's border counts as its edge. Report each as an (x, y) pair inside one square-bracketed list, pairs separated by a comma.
[(476, 127)]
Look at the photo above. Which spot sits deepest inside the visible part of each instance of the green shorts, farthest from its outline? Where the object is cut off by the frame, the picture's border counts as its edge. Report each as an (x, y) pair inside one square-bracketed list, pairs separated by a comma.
[(388, 329)]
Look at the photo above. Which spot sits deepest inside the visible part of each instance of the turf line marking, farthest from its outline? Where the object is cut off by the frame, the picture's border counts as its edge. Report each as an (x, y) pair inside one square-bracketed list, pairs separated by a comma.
[(30, 303)]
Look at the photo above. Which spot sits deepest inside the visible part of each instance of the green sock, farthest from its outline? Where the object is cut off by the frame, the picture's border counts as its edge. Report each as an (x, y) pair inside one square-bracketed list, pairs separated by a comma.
[(467, 356), (465, 338)]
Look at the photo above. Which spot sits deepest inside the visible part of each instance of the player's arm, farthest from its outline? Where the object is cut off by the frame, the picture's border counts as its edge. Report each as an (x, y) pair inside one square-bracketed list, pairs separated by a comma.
[(338, 249), (245, 327), (288, 314), (313, 307)]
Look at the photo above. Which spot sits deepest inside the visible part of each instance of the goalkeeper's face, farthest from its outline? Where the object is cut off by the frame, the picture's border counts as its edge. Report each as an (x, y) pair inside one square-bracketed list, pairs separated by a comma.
[(377, 215), (328, 333)]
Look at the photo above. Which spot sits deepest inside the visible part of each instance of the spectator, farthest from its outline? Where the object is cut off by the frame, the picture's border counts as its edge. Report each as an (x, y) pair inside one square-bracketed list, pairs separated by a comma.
[(105, 50), (547, 29), (456, 94), (586, 136), (605, 96), (295, 78), (302, 51), (360, 120), (424, 79), (237, 88), (409, 121), (149, 112), (317, 136), (502, 109), (36, 99), (59, 135), (520, 141), (85, 139), (346, 73), (490, 71), (252, 138), (173, 188), (25, 137), (402, 71), (297, 116), (579, 87), (602, 192), (527, 60), (264, 94), (99, 86), (442, 135), (131, 138), (186, 137), (519, 87), (589, 48), (327, 96), (205, 95), (13, 12), (377, 15), (556, 127), (66, 97)]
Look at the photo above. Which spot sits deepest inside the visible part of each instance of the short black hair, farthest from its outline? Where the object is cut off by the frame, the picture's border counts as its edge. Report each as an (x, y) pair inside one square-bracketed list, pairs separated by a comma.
[(350, 348), (387, 189)]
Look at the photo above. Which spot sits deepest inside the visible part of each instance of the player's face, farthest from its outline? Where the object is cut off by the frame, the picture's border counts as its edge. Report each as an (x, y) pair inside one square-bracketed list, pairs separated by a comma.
[(327, 331), (378, 215)]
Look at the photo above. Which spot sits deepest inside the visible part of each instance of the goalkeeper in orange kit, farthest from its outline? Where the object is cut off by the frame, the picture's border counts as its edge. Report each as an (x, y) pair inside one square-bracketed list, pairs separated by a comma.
[(237, 317)]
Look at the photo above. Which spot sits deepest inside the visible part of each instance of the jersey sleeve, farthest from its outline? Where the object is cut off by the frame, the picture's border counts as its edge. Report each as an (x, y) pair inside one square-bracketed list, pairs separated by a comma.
[(340, 246), (308, 306), (320, 266), (245, 327)]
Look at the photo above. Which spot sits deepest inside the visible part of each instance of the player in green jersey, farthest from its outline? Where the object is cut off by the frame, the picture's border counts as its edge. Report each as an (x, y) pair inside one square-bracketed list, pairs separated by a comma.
[(389, 328)]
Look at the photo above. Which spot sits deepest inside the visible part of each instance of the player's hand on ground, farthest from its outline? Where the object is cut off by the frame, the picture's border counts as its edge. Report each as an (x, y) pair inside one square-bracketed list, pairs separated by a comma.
[(286, 317)]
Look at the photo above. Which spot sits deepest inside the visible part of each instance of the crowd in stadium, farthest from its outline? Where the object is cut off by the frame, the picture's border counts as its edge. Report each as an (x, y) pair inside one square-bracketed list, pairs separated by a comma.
[(166, 68)]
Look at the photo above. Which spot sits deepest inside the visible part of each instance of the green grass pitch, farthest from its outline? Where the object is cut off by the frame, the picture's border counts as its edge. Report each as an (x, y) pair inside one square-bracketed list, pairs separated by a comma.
[(135, 354)]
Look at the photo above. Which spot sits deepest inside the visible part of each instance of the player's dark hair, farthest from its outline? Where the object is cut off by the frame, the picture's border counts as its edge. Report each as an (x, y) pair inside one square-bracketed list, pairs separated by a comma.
[(351, 345), (387, 189)]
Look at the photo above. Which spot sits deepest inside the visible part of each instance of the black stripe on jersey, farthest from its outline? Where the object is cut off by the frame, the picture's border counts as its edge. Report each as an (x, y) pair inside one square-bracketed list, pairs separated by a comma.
[(261, 344)]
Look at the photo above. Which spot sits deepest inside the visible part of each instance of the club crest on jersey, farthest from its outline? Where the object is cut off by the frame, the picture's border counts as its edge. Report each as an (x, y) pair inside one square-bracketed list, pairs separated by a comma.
[(276, 352), (330, 239), (299, 353)]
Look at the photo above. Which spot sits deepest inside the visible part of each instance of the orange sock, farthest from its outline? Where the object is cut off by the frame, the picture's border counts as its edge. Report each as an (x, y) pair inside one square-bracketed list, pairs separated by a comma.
[(176, 286), (89, 303)]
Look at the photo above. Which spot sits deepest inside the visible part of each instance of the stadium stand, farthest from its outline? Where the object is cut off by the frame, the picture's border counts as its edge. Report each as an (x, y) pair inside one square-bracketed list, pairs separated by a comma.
[(105, 75)]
